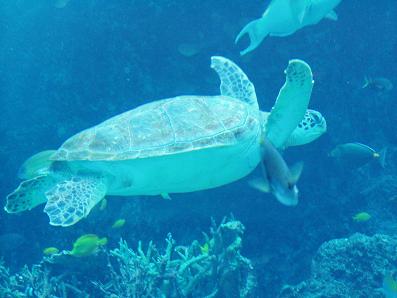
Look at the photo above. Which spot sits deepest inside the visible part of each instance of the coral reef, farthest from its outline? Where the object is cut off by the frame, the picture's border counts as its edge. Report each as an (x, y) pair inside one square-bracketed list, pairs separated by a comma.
[(215, 269), (35, 282), (348, 267)]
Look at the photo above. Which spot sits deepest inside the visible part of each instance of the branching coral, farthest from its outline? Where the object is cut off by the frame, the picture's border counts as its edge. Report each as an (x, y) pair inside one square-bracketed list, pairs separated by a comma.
[(35, 282), (216, 269)]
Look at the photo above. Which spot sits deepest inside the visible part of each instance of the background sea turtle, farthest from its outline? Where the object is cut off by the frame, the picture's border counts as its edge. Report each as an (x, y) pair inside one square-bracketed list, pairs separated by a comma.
[(175, 145)]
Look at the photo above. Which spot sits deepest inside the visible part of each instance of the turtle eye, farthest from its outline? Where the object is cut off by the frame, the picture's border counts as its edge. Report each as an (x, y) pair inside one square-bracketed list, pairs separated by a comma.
[(290, 186)]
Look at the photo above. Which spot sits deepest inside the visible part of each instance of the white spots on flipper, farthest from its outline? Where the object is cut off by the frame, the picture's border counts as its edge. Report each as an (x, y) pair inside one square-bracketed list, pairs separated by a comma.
[(234, 82), (71, 200), (298, 72)]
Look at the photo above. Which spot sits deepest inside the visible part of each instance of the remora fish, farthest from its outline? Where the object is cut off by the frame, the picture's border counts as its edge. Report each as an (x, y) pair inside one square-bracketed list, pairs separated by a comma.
[(277, 177)]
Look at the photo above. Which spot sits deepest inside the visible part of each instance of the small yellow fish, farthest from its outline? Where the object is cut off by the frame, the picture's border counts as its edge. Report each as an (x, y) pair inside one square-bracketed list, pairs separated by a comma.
[(205, 248), (389, 286), (50, 251), (361, 217), (87, 245), (118, 223)]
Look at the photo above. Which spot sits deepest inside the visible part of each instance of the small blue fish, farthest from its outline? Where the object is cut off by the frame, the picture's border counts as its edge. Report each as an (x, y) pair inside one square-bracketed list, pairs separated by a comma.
[(357, 154), (379, 84)]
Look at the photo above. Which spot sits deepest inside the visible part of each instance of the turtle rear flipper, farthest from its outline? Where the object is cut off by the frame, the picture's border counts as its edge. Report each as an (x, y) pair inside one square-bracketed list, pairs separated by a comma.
[(36, 165), (71, 200), (29, 194)]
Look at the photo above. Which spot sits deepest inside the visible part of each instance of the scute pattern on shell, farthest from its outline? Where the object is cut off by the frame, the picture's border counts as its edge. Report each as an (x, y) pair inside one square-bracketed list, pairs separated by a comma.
[(163, 127)]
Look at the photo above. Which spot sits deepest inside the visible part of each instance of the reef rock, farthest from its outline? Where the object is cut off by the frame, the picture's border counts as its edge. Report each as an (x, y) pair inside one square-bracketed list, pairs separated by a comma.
[(348, 267)]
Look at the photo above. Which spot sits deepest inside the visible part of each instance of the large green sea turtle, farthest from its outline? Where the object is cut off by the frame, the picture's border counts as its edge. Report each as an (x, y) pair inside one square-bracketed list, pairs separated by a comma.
[(174, 145)]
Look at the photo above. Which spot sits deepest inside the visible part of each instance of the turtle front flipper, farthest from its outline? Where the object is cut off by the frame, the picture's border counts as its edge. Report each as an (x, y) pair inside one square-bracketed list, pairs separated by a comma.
[(291, 103), (29, 194), (234, 82), (71, 200)]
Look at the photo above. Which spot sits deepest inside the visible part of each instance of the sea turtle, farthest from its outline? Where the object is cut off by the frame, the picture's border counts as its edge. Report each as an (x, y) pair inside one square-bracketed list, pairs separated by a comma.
[(174, 145)]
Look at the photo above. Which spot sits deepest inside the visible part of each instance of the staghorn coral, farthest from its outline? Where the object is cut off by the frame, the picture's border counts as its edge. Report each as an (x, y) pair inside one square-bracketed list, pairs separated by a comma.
[(219, 270), (214, 269), (35, 282)]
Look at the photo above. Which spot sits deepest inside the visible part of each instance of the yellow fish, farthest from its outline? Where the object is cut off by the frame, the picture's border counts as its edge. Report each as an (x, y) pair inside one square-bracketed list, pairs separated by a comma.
[(205, 248), (87, 245), (118, 223), (361, 217), (389, 286), (50, 251)]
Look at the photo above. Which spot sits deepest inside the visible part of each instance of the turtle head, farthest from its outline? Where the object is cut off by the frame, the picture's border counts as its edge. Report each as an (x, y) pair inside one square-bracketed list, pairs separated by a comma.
[(312, 126)]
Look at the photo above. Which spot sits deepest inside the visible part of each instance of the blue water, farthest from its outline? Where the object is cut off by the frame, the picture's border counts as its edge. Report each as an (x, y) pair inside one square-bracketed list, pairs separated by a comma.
[(66, 69)]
